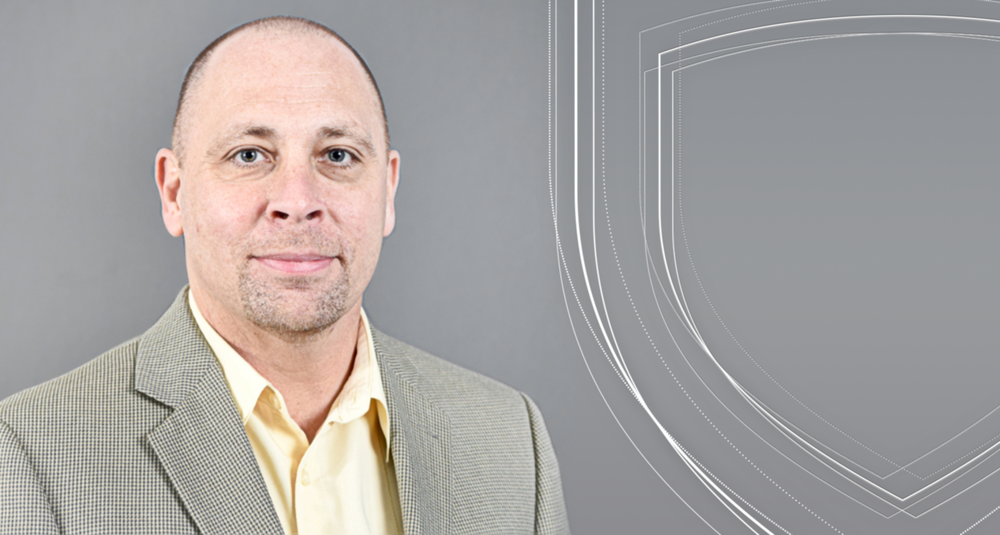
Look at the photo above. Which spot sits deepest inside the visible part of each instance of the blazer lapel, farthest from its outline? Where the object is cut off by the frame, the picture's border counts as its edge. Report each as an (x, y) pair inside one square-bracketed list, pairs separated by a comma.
[(420, 440), (202, 445)]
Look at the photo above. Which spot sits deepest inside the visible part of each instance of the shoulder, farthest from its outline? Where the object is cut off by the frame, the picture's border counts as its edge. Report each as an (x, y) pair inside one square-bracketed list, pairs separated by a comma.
[(443, 380), (92, 392), (499, 451), (487, 420)]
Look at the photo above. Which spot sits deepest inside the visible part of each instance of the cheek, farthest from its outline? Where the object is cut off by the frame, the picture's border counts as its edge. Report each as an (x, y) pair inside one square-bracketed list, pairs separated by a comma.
[(221, 219), (374, 230), (361, 217), (372, 214)]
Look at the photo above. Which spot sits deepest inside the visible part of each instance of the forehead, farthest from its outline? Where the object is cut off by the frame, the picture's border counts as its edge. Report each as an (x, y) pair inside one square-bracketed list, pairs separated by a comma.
[(285, 79)]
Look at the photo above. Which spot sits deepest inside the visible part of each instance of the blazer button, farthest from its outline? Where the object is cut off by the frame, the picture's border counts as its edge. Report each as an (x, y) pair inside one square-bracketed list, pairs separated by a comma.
[(304, 479)]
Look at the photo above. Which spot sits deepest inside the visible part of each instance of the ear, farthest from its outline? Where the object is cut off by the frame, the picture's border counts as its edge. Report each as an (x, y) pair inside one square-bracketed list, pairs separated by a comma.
[(168, 181), (391, 183)]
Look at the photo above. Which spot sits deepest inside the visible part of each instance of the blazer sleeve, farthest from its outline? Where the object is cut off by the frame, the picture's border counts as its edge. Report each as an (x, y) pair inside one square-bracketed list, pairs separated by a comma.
[(24, 507), (550, 508)]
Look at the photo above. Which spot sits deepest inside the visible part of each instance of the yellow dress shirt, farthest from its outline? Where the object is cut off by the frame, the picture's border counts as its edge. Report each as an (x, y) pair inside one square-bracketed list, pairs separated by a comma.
[(344, 481)]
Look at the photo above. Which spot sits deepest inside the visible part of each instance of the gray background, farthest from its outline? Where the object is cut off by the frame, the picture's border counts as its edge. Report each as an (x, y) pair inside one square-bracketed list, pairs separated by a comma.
[(87, 93), (835, 245)]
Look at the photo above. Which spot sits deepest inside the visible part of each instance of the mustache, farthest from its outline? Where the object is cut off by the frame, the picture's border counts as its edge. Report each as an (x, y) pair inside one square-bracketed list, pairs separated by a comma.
[(311, 241)]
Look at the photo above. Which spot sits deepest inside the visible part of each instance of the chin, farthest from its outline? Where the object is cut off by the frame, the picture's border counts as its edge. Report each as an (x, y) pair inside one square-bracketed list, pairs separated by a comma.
[(289, 322), (296, 307)]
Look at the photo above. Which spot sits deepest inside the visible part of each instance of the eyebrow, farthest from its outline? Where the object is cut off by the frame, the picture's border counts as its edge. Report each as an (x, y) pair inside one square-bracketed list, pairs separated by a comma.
[(347, 132), (263, 132), (270, 134)]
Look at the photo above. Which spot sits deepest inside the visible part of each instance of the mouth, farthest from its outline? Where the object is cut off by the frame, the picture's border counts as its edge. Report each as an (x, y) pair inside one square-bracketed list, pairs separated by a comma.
[(295, 263)]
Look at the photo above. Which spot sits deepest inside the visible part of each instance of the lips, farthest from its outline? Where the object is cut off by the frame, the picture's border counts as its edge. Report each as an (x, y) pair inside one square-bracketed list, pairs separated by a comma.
[(295, 264)]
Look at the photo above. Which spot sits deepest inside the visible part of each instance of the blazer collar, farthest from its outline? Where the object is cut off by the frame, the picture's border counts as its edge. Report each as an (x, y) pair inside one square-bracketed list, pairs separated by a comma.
[(202, 445), (420, 440), (205, 452)]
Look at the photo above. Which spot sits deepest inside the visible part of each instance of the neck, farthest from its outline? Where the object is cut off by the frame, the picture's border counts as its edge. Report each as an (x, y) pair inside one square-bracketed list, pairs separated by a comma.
[(309, 370)]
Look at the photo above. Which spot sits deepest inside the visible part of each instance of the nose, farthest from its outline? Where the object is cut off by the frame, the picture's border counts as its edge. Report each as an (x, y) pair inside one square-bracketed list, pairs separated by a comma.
[(294, 197)]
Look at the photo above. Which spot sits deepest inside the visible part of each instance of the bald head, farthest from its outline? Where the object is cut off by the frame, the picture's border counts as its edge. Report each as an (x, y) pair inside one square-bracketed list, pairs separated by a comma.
[(271, 26)]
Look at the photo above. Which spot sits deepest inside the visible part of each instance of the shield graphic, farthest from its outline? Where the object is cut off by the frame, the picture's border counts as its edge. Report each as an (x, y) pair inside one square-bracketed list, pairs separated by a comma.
[(817, 224)]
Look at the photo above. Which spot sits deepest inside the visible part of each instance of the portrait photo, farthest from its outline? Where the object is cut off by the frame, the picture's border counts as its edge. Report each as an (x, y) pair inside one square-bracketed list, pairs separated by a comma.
[(469, 273), (536, 266)]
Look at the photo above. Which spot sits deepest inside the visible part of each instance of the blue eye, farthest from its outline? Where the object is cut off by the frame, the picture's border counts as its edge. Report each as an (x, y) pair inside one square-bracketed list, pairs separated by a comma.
[(249, 155), (340, 156)]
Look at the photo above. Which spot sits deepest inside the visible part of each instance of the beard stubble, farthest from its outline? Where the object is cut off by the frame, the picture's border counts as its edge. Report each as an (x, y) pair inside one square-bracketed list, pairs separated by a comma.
[(264, 300)]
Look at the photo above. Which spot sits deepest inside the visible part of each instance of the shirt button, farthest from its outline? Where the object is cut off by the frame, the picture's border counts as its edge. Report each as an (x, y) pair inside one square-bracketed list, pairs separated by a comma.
[(275, 402), (305, 479)]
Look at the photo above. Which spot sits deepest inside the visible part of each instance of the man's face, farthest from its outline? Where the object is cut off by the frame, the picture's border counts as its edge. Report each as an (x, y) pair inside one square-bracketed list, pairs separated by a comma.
[(286, 185)]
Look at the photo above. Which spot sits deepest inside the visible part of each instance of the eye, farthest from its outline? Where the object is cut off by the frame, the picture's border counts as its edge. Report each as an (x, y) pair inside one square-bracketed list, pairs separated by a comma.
[(340, 156), (249, 156)]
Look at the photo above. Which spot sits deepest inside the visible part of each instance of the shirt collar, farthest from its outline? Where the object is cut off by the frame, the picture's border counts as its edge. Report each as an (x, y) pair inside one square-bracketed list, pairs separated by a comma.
[(246, 385)]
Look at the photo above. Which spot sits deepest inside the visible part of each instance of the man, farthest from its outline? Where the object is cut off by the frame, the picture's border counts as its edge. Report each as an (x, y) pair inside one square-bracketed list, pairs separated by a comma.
[(263, 401)]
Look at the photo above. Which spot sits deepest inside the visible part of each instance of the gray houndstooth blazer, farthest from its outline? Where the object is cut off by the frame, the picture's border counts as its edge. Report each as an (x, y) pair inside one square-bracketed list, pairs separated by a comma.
[(147, 439)]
